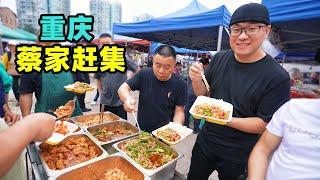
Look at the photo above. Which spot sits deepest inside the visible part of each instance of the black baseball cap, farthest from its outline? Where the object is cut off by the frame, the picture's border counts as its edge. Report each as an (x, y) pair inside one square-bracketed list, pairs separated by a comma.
[(252, 12)]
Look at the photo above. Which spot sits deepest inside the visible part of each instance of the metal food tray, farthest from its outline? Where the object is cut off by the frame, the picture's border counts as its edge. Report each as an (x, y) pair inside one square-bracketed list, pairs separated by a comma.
[(122, 123), (161, 172), (224, 105), (97, 169), (85, 125), (51, 172)]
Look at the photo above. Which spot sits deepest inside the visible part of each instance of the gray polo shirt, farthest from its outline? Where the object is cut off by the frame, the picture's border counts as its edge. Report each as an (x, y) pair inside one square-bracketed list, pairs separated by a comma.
[(111, 82)]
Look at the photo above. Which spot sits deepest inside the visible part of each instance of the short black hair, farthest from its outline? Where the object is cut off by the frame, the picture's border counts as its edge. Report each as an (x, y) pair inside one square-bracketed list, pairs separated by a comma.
[(105, 35), (166, 51)]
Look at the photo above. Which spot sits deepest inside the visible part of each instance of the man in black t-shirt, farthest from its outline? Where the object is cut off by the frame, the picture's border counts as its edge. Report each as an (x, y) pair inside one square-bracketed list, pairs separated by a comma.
[(252, 82), (162, 93)]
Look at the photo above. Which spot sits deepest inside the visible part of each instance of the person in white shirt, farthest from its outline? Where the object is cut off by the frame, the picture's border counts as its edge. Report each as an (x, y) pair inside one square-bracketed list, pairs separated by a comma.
[(290, 147)]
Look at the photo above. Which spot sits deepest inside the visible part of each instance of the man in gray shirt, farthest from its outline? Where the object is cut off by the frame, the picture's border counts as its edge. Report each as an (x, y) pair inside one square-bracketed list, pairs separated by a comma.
[(108, 85)]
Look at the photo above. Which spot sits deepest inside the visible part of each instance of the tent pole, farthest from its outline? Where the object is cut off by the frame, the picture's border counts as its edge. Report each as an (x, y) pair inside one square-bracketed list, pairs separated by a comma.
[(284, 57), (219, 38), (149, 54)]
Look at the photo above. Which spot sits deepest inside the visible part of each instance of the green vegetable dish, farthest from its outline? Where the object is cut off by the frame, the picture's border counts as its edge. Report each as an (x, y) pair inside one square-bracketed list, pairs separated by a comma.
[(146, 151)]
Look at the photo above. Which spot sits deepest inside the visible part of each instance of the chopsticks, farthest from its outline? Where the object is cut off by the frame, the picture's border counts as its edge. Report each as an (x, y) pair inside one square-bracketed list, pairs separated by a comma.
[(59, 118), (101, 113), (135, 118), (205, 81)]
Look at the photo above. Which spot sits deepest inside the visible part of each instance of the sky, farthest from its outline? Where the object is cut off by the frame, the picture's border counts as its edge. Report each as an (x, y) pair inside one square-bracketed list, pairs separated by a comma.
[(156, 8)]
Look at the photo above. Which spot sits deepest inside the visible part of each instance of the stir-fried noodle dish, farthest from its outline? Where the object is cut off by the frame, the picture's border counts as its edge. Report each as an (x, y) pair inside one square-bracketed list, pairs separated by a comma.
[(146, 151)]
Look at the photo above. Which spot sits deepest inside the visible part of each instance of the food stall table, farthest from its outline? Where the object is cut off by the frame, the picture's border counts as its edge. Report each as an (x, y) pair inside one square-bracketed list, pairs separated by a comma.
[(37, 170), (39, 173)]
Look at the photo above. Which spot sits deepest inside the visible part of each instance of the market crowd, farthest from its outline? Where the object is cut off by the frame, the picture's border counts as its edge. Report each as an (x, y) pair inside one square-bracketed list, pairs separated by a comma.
[(269, 137)]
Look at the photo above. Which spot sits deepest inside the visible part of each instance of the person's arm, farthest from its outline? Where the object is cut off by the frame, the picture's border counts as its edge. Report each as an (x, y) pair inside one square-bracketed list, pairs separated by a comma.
[(25, 104), (6, 98), (198, 86), (132, 84), (179, 115), (6, 108), (253, 125), (124, 95), (36, 127), (10, 117), (270, 140), (181, 92), (260, 155)]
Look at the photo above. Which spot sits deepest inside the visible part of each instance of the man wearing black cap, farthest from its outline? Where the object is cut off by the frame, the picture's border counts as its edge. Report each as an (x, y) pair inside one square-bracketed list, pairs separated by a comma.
[(252, 82)]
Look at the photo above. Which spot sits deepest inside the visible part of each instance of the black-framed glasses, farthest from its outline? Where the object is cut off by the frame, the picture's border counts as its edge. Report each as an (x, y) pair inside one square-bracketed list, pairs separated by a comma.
[(235, 31)]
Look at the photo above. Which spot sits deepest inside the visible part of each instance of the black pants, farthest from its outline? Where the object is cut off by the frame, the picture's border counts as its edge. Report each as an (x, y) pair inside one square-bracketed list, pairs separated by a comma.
[(81, 98), (15, 87), (118, 110), (190, 101), (96, 96), (201, 167)]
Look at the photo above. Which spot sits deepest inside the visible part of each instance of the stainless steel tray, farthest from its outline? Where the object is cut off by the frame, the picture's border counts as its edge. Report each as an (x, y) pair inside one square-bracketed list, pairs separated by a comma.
[(94, 119), (152, 173), (111, 125), (96, 170), (51, 172)]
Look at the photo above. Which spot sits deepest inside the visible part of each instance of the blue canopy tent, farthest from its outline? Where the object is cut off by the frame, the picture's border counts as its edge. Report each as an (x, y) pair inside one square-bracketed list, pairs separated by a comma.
[(203, 31), (154, 46), (295, 57), (296, 25), (193, 8)]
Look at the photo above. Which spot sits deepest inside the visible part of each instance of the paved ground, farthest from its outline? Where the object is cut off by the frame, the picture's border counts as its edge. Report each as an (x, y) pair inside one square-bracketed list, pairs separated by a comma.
[(184, 147)]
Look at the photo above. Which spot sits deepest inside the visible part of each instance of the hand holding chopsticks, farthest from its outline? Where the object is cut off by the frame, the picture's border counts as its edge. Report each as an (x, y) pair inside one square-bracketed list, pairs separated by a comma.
[(196, 73), (205, 81), (129, 104)]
